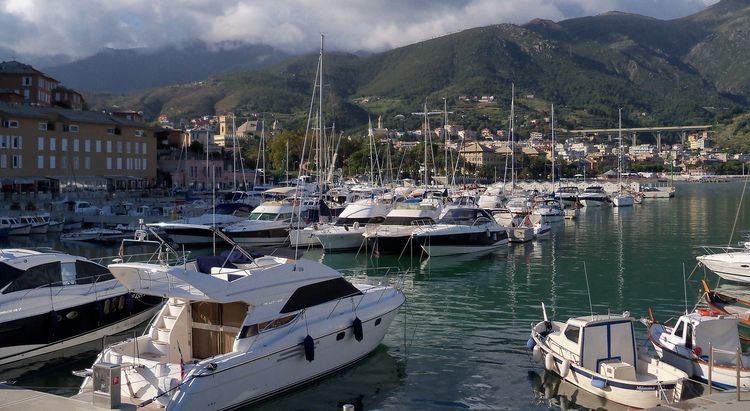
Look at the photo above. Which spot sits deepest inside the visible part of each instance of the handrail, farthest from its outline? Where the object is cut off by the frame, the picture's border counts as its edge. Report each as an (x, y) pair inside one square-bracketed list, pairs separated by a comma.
[(738, 367)]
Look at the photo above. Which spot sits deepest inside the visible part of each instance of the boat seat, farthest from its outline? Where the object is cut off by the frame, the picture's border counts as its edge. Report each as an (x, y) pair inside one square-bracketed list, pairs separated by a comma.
[(617, 369)]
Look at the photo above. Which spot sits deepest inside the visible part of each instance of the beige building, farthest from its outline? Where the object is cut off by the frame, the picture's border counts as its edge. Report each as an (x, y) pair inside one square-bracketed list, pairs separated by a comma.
[(56, 147)]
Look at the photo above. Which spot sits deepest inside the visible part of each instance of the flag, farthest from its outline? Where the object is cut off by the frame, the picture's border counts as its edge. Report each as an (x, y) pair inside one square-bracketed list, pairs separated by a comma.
[(182, 363)]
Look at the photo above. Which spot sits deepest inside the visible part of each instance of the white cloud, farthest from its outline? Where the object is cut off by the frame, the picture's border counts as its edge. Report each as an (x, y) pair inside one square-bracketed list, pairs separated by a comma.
[(81, 27)]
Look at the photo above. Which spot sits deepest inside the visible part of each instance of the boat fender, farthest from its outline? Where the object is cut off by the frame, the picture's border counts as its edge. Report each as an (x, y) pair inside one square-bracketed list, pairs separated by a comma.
[(357, 327), (564, 368), (355, 225), (346, 228), (698, 351), (309, 344), (536, 353), (598, 383), (487, 232), (129, 303), (530, 344), (549, 362), (54, 319)]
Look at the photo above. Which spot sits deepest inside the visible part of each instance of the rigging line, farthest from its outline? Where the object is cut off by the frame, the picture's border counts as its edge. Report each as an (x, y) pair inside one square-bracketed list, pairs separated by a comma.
[(737, 216)]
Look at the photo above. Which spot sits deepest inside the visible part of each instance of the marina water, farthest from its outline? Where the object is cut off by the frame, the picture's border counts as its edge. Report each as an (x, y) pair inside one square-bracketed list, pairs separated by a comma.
[(460, 340)]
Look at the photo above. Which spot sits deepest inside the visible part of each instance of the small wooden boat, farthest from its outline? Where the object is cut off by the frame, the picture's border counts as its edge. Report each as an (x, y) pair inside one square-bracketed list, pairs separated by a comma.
[(598, 354), (722, 304), (687, 344)]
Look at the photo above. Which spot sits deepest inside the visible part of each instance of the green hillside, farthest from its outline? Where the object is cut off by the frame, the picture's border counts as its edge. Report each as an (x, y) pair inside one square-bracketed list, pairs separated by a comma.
[(683, 71)]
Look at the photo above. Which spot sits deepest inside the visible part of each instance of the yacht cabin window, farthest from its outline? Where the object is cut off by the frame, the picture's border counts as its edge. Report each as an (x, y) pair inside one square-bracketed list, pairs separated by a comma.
[(88, 272), (68, 273), (680, 329), (43, 275)]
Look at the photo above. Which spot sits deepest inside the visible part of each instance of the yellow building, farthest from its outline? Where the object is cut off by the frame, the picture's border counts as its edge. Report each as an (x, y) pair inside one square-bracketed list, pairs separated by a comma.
[(79, 148)]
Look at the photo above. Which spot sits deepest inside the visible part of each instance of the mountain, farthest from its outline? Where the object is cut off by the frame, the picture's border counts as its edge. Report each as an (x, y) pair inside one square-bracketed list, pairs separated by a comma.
[(661, 72), (123, 71)]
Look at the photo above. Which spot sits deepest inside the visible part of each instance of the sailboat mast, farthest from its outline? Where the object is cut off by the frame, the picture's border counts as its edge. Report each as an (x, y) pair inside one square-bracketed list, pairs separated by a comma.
[(321, 133), (445, 136), (234, 156), (553, 146), (512, 137), (619, 151), (424, 183)]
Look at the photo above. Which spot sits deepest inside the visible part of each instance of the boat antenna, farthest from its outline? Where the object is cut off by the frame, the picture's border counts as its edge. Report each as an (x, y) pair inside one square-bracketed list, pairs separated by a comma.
[(588, 290), (736, 216), (684, 287)]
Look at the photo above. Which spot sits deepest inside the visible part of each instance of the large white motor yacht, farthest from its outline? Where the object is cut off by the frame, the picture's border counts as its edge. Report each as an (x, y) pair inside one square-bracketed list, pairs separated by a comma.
[(729, 263), (268, 224), (346, 233), (462, 230), (244, 331), (51, 301), (394, 235)]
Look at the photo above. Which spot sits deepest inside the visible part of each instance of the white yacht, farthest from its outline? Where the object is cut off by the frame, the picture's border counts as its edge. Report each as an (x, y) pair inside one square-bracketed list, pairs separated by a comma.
[(598, 354), (268, 224), (197, 230), (729, 263), (51, 301), (568, 195), (550, 210), (238, 334), (493, 198), (462, 230), (37, 226), (520, 204), (394, 235), (594, 196), (346, 233)]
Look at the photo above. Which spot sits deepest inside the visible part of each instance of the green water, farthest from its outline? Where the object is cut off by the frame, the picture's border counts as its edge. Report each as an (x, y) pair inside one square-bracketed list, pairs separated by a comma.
[(460, 340)]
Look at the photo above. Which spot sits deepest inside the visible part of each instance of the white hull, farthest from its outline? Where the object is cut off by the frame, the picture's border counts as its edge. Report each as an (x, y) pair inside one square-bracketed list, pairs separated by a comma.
[(21, 230), (729, 266), (520, 234), (258, 241), (39, 229), (587, 202), (443, 250), (303, 238), (623, 201), (341, 240), (551, 218), (27, 351)]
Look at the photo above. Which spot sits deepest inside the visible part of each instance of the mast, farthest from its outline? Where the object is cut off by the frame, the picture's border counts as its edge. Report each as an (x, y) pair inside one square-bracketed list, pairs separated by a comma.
[(234, 156), (553, 147), (619, 151), (321, 132), (445, 138), (512, 138)]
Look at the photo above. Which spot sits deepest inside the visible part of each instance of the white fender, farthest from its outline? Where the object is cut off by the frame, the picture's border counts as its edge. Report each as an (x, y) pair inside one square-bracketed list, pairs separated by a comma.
[(549, 362), (564, 368), (536, 353)]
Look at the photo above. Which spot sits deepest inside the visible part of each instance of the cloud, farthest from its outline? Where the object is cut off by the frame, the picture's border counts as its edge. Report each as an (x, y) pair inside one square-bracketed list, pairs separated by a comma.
[(81, 27)]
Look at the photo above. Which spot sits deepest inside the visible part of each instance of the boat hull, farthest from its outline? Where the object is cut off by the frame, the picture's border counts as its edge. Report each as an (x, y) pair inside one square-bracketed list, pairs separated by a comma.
[(729, 266), (341, 240)]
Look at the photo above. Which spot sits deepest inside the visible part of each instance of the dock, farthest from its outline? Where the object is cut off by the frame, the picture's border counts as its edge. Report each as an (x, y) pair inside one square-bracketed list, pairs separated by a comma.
[(722, 401), (22, 399)]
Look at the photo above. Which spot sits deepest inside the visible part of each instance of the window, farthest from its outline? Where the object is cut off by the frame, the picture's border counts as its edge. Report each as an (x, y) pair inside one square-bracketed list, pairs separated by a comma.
[(64, 144), (26, 80), (3, 160), (139, 133), (571, 333), (144, 164), (75, 163), (129, 164), (4, 141), (87, 163), (255, 329), (119, 147), (64, 162), (53, 143), (10, 123), (119, 163), (68, 271), (52, 161), (137, 148), (17, 161), (98, 146), (87, 146), (111, 131), (144, 148), (88, 272), (43, 275), (127, 147), (319, 293), (39, 161), (40, 143), (76, 145), (137, 163), (680, 330), (109, 163), (17, 142), (72, 128), (27, 94), (109, 146)]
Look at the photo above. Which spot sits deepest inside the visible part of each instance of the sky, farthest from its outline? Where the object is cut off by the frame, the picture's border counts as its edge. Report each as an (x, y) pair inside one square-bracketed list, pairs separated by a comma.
[(83, 27)]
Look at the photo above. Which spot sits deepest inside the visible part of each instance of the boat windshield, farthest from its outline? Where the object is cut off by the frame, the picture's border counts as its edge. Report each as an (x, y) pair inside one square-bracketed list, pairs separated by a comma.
[(407, 220), (463, 216), (263, 216)]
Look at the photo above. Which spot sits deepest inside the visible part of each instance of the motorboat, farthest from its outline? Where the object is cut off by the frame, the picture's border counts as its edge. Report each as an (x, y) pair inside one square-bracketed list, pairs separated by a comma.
[(461, 230), (598, 354), (493, 198), (549, 210), (687, 346), (568, 195), (196, 230), (729, 263), (521, 230), (95, 234), (594, 196), (268, 224), (394, 234), (14, 226), (520, 204), (346, 232), (53, 226), (51, 301), (723, 304), (37, 226), (235, 333)]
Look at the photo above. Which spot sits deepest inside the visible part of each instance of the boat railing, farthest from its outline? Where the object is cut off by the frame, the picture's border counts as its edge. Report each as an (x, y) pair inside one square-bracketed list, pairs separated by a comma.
[(723, 249), (56, 288), (564, 351), (392, 276), (738, 367), (422, 222)]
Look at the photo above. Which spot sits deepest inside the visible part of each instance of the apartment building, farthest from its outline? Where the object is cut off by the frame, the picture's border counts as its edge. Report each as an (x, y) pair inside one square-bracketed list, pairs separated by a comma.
[(74, 148), (21, 82)]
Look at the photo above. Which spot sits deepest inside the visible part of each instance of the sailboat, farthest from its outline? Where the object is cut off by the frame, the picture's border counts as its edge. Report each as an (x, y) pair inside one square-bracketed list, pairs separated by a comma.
[(621, 198)]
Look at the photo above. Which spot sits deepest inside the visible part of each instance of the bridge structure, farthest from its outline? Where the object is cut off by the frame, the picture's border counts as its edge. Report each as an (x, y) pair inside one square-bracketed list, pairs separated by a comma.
[(633, 132)]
